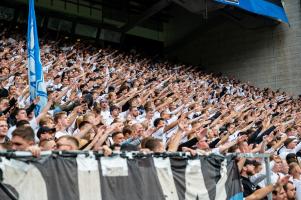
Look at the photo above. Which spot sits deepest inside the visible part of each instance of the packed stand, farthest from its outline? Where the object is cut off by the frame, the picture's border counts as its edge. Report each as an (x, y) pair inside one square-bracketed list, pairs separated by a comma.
[(104, 99)]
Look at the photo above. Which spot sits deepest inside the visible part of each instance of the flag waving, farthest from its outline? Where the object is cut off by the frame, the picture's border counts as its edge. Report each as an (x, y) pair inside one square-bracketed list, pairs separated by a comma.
[(35, 72)]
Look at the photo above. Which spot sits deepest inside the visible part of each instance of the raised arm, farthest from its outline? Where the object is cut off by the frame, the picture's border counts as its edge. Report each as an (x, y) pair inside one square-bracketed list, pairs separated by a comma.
[(45, 110), (263, 192)]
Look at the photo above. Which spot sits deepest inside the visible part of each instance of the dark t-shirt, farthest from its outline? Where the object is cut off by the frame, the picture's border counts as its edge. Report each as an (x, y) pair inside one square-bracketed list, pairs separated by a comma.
[(248, 186), (3, 92)]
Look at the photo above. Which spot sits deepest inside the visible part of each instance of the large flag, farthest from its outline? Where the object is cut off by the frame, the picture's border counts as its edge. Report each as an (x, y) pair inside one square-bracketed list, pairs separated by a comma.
[(37, 86), (114, 178), (270, 8)]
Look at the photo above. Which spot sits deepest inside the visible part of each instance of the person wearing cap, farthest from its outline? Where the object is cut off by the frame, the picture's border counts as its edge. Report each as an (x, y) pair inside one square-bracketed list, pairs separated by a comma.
[(46, 133), (247, 171), (291, 145)]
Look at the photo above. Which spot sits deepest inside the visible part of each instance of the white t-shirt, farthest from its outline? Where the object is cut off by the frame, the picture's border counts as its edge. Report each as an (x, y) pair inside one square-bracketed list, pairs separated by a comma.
[(284, 151), (106, 116), (159, 133), (59, 134), (297, 184)]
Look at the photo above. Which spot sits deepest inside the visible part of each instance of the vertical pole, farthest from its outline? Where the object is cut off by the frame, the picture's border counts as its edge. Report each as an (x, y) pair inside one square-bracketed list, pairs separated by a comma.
[(268, 173)]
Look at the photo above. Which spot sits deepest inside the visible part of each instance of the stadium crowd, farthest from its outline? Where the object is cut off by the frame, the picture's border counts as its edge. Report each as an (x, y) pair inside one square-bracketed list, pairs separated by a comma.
[(104, 99)]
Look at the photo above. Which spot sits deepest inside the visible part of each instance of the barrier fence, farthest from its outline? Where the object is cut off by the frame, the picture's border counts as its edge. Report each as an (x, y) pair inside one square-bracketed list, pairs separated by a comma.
[(86, 175)]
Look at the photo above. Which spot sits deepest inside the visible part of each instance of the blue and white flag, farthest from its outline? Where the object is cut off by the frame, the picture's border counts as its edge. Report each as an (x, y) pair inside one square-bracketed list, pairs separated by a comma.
[(37, 86)]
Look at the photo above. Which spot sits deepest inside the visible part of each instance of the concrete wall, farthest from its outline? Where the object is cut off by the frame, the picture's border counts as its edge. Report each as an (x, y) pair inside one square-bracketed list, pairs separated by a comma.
[(266, 56), (182, 23)]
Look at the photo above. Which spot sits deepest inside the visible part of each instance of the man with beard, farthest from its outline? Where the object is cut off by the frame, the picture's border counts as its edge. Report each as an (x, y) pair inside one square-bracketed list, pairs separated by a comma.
[(247, 171)]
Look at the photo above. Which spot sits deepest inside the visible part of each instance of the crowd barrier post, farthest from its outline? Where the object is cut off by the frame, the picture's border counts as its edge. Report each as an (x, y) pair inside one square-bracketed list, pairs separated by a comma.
[(266, 158)]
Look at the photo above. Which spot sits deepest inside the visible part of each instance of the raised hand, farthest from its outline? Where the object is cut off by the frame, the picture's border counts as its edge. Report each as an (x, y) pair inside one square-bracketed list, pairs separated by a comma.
[(191, 151), (201, 133), (36, 100), (97, 120), (35, 150)]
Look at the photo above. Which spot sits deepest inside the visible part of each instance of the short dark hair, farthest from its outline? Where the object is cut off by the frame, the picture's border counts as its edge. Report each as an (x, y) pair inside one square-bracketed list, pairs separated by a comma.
[(114, 107), (21, 123), (116, 133), (152, 143), (17, 110), (127, 130), (144, 140), (157, 121), (24, 132)]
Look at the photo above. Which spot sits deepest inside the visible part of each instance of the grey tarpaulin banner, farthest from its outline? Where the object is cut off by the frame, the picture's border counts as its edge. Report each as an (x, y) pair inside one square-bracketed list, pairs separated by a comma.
[(86, 177)]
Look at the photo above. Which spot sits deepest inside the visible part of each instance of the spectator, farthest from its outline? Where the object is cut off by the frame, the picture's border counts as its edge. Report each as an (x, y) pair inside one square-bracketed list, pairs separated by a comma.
[(3, 130), (67, 143), (95, 94), (23, 139), (117, 138), (290, 190), (46, 133), (154, 145), (246, 172), (295, 172)]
